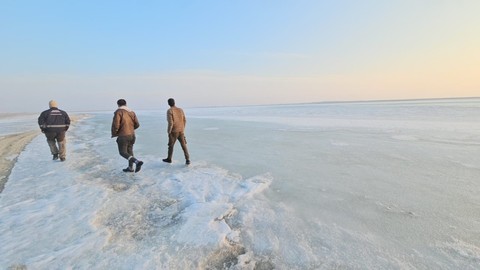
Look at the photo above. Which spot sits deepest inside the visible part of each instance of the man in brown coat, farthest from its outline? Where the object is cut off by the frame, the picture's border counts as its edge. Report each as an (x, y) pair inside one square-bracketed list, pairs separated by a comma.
[(176, 131), (123, 127)]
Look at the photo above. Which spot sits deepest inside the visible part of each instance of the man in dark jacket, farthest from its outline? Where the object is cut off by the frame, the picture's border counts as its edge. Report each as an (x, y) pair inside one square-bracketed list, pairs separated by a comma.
[(123, 126), (55, 123)]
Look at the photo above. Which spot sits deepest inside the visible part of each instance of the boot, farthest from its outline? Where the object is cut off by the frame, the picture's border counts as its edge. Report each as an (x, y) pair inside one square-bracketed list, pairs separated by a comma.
[(170, 154), (128, 169), (138, 165), (131, 160)]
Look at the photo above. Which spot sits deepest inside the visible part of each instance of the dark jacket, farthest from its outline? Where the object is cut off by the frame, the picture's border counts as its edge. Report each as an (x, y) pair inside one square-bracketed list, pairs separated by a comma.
[(124, 122), (54, 120)]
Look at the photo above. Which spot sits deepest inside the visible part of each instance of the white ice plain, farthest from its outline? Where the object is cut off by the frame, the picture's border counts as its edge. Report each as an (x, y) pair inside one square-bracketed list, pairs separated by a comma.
[(380, 185)]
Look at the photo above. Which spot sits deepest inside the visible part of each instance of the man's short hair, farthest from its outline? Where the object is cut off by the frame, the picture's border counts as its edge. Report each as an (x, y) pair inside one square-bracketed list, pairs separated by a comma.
[(121, 102), (171, 102)]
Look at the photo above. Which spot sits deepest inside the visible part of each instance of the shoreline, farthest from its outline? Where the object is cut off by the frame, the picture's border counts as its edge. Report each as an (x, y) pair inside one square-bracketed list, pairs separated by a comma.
[(12, 145), (10, 148)]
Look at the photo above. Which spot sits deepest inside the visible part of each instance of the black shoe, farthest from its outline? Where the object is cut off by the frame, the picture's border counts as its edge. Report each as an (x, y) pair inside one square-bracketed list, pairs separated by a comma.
[(138, 167), (187, 162), (167, 160), (62, 159), (127, 170), (55, 156)]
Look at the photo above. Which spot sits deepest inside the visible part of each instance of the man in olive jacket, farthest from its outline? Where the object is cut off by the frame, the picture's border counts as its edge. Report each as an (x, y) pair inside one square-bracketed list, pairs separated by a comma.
[(176, 131), (123, 127), (55, 123)]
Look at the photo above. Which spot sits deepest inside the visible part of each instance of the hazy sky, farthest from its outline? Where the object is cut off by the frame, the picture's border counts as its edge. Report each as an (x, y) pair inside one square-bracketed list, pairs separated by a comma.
[(87, 54)]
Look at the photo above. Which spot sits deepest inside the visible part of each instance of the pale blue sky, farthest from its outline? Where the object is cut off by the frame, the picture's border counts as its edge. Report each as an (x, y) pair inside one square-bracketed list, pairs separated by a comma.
[(87, 54)]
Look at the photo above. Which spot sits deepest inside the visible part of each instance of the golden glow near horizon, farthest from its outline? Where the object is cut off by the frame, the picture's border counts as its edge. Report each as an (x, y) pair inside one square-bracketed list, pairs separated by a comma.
[(262, 53)]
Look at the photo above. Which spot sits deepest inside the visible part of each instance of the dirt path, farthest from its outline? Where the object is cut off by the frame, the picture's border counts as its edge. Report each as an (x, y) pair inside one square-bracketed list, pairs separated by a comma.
[(10, 148)]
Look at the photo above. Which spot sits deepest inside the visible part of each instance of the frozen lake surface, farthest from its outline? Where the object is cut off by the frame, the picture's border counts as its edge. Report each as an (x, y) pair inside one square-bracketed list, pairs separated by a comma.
[(16, 123), (367, 185)]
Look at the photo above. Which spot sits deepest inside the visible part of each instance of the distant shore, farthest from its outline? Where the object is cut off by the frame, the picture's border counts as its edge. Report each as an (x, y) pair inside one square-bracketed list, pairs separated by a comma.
[(13, 115), (10, 148)]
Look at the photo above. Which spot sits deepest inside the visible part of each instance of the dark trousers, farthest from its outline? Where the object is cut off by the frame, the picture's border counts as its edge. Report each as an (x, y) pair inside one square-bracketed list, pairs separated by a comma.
[(125, 146), (172, 138), (54, 138)]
